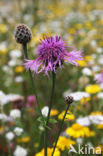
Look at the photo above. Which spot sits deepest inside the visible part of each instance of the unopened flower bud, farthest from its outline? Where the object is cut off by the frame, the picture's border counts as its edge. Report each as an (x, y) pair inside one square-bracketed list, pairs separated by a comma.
[(69, 100), (22, 34)]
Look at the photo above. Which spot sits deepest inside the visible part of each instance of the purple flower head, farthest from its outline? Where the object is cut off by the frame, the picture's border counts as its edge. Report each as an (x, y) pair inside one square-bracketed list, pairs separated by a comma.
[(52, 52), (99, 77)]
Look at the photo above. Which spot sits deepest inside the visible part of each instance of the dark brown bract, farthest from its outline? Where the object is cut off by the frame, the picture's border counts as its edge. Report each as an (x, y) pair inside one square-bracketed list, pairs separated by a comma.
[(22, 34), (69, 100)]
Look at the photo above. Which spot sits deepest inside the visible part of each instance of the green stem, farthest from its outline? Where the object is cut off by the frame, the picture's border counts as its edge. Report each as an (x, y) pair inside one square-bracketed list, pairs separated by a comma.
[(31, 78), (50, 106), (60, 129)]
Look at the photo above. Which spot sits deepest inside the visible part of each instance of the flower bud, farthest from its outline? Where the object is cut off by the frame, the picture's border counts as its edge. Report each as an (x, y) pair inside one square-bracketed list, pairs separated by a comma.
[(69, 100), (22, 34)]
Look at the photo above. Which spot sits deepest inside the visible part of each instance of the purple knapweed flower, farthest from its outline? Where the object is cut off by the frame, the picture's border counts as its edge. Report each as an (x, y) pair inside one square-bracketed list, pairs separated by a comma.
[(99, 77), (52, 52)]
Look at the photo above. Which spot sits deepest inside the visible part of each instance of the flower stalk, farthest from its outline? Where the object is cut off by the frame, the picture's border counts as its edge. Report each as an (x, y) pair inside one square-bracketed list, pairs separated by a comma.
[(50, 106), (31, 78), (68, 101)]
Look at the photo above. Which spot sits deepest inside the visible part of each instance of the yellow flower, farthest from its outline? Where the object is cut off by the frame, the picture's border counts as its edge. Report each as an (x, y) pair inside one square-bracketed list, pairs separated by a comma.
[(100, 126), (79, 26), (82, 63), (96, 113), (77, 131), (69, 116), (88, 58), (49, 152), (1, 129), (54, 112), (93, 89), (19, 69), (64, 142), (3, 28), (23, 139), (3, 49), (71, 30), (83, 101)]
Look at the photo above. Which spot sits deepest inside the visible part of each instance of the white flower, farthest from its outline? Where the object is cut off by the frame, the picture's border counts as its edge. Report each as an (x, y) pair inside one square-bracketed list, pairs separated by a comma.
[(79, 95), (95, 68), (15, 113), (100, 60), (45, 111), (87, 71), (100, 95), (5, 118), (96, 119), (84, 121), (9, 136), (12, 63), (12, 97), (15, 54), (18, 131), (79, 140), (20, 151), (3, 99), (99, 50), (18, 79), (93, 43)]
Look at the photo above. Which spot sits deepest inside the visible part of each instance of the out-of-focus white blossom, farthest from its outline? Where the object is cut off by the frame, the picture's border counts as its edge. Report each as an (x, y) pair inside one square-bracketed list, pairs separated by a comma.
[(18, 131), (20, 151), (15, 113), (9, 136), (45, 111)]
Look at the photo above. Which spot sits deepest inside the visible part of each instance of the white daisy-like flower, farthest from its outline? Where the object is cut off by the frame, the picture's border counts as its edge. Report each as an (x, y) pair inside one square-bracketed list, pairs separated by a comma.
[(96, 119), (84, 121), (18, 131), (15, 54), (87, 71), (100, 95), (5, 118), (45, 111), (15, 113), (9, 136), (79, 95), (20, 151)]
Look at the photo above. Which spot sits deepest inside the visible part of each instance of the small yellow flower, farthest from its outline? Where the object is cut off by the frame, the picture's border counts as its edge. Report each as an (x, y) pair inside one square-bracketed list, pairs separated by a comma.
[(19, 69), (83, 101), (69, 116), (79, 26), (77, 131), (100, 126), (2, 129), (96, 113), (3, 28), (88, 58), (23, 139), (54, 112), (49, 152), (71, 31), (93, 89), (82, 63), (64, 142)]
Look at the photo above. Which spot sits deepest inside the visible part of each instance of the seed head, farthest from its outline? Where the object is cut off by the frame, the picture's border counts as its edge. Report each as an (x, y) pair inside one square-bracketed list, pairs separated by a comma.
[(69, 100), (22, 34)]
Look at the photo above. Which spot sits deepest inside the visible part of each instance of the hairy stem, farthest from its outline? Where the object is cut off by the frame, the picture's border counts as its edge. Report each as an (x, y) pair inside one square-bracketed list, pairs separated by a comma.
[(60, 129), (31, 78), (50, 106)]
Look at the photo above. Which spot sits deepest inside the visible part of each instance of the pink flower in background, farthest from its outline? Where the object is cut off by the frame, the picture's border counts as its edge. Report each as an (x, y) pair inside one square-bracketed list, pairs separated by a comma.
[(31, 101), (52, 52), (99, 77)]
